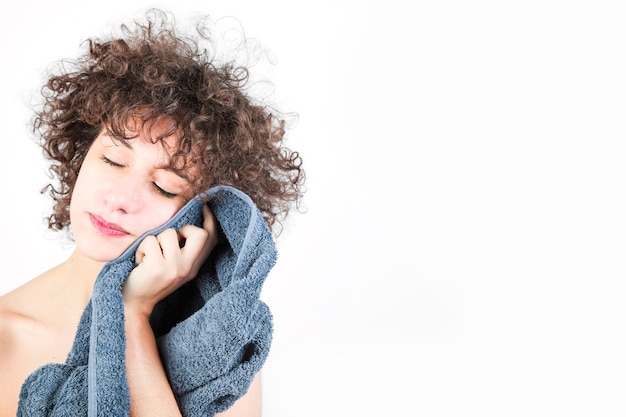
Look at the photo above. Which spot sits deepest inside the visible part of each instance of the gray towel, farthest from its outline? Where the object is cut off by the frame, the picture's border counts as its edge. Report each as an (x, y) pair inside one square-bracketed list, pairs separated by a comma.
[(214, 333)]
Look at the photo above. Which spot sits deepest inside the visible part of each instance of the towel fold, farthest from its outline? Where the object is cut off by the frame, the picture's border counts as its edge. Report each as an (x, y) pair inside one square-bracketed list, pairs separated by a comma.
[(214, 333)]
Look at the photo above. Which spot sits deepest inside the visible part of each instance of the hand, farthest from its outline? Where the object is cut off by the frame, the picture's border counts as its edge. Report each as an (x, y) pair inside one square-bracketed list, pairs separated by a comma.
[(163, 266)]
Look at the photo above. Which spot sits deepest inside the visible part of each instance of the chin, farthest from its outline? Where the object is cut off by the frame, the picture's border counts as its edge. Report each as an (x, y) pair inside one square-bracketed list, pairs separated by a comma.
[(101, 258), (100, 253)]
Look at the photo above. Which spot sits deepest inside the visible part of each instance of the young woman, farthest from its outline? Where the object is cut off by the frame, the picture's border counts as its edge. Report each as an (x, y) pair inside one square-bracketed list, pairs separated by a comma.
[(138, 126)]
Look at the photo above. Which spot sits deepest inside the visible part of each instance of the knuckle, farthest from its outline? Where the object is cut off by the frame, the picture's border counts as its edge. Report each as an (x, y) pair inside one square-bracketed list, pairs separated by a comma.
[(203, 233), (168, 233), (150, 239)]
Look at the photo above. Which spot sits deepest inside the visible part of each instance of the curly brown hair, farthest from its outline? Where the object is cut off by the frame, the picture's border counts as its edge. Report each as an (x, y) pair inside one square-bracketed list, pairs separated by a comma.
[(153, 72)]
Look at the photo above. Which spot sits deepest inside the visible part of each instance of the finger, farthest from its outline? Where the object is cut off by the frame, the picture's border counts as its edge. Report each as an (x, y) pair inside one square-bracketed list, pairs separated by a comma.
[(199, 244), (149, 246), (195, 240), (210, 224), (168, 242)]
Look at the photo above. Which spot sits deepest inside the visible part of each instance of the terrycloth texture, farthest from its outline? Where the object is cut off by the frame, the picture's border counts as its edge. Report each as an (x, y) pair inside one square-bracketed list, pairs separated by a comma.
[(214, 333)]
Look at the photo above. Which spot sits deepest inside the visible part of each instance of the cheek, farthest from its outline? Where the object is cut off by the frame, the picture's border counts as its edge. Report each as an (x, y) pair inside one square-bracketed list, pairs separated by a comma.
[(157, 214), (83, 187)]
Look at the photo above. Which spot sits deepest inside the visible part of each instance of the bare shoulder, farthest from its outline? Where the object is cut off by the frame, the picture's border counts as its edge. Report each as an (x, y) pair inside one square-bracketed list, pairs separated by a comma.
[(6, 335), (11, 320), (30, 337), (8, 389), (35, 315), (18, 328), (13, 367)]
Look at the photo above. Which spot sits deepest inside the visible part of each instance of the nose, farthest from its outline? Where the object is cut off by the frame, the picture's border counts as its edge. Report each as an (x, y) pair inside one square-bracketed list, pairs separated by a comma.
[(124, 194)]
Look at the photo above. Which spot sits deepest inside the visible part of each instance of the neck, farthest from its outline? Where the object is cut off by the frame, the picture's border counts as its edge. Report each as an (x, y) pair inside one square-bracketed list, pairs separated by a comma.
[(83, 272)]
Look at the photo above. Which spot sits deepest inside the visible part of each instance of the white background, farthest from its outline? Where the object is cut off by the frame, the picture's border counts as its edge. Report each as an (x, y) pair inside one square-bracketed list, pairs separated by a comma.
[(462, 246)]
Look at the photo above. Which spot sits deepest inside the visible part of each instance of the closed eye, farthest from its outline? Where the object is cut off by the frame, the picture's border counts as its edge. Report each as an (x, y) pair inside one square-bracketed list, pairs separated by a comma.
[(154, 184), (110, 162), (163, 192)]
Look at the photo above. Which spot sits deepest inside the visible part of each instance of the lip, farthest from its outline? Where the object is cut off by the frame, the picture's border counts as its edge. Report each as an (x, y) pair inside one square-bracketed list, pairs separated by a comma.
[(106, 228)]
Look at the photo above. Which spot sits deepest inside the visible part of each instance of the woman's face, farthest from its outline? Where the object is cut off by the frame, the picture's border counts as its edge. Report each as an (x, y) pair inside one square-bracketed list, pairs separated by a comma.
[(122, 191)]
